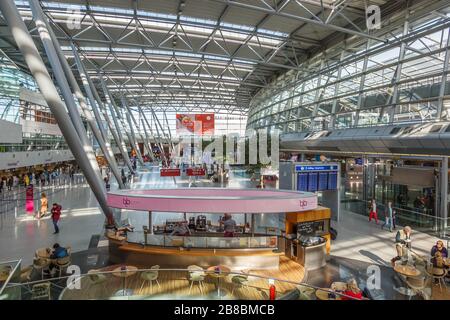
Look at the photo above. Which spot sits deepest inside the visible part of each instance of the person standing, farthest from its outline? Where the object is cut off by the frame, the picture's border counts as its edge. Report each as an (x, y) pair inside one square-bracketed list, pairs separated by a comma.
[(56, 215), (388, 213), (44, 206), (229, 225), (373, 211)]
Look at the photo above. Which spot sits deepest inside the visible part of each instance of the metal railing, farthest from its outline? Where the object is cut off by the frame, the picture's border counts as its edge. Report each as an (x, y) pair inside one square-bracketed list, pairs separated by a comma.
[(9, 273), (421, 221)]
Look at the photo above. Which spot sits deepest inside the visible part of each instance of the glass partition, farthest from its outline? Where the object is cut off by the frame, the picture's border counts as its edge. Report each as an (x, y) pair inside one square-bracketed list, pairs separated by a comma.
[(202, 242), (10, 275), (174, 284)]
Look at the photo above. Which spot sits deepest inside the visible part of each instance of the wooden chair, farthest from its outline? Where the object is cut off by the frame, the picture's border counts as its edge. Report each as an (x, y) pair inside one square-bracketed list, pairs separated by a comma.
[(62, 264), (41, 291), (40, 264), (239, 282), (418, 285), (150, 276), (97, 280)]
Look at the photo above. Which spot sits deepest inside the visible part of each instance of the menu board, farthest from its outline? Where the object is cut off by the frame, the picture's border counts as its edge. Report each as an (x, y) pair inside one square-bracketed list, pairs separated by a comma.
[(310, 228)]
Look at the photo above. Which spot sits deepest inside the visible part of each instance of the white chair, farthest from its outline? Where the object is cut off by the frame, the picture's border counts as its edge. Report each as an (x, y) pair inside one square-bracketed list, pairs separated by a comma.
[(196, 274), (150, 276)]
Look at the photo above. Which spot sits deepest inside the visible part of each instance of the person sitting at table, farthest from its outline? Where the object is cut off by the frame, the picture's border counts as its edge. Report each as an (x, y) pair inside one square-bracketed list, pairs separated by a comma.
[(402, 243), (181, 229), (229, 225), (57, 253), (439, 247), (352, 291), (438, 265)]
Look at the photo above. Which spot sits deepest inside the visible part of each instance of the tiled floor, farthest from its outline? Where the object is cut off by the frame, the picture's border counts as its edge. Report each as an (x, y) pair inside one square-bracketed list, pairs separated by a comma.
[(21, 234)]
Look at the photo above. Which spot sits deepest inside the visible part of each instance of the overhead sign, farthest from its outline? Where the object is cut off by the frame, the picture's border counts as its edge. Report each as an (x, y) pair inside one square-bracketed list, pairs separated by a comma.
[(170, 172), (306, 168), (195, 172), (198, 124)]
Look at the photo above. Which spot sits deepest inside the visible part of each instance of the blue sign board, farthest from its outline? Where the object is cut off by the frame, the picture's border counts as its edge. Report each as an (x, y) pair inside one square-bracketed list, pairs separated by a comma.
[(307, 168)]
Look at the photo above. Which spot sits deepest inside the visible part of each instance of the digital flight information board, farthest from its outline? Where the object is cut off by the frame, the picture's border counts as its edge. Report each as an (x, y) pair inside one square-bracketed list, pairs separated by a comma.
[(316, 177)]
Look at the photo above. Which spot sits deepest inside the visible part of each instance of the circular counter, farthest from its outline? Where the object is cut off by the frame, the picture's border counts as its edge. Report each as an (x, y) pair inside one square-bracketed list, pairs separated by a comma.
[(213, 200)]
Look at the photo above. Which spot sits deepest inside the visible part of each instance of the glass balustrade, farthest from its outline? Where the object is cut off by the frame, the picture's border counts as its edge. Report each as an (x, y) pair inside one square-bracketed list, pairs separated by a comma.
[(158, 283), (202, 242)]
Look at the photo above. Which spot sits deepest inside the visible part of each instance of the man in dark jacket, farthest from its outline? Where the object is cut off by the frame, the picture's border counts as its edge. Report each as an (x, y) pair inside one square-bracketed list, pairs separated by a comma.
[(56, 215)]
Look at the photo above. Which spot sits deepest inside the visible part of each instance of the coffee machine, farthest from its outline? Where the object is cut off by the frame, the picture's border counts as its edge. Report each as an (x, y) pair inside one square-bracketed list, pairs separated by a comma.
[(200, 223)]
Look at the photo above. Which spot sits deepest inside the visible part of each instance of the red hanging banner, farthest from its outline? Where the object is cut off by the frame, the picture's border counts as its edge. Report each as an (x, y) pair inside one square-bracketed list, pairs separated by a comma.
[(170, 172), (195, 172)]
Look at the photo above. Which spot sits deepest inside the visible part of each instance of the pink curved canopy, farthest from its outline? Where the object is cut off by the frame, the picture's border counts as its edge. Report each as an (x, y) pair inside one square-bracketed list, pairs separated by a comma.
[(213, 200)]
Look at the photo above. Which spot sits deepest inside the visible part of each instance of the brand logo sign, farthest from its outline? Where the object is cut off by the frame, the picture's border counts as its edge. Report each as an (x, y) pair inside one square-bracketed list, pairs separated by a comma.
[(303, 203), (126, 202)]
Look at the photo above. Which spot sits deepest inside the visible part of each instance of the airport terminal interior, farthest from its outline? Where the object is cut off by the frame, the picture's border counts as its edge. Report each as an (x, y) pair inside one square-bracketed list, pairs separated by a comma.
[(224, 149)]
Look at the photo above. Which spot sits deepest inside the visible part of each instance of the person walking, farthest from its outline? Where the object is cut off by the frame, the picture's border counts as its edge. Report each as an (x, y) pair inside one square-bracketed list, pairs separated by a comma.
[(56, 216), (373, 211), (44, 206), (388, 214)]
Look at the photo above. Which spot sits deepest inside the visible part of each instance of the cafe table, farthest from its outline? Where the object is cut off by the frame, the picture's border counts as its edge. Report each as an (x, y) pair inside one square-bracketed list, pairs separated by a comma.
[(43, 253), (4, 272), (219, 272), (124, 272), (323, 294), (405, 271)]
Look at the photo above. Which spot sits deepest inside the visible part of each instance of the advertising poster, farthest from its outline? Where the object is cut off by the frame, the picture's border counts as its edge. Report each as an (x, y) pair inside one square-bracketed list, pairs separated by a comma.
[(195, 124)]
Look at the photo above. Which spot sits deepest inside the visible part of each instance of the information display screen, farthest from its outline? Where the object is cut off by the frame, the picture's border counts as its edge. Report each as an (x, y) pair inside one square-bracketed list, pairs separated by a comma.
[(332, 181), (323, 181), (312, 181), (302, 182)]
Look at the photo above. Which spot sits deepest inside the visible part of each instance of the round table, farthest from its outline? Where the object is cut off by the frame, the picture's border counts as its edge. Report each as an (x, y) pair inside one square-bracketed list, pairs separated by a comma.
[(322, 294), (43, 253), (219, 272), (407, 270), (124, 274), (338, 286), (4, 272)]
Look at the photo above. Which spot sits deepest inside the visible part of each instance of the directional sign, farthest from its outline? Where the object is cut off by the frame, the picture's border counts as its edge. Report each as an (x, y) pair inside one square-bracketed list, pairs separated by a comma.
[(307, 168)]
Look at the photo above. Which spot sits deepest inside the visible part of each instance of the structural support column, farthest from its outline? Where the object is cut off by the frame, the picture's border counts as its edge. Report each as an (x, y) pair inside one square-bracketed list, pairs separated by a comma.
[(37, 68), (443, 212), (87, 87), (104, 145), (398, 72), (63, 84), (158, 141), (130, 116), (444, 80), (336, 90), (361, 85), (148, 142)]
